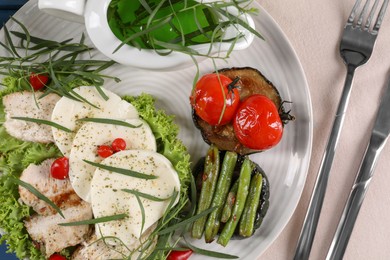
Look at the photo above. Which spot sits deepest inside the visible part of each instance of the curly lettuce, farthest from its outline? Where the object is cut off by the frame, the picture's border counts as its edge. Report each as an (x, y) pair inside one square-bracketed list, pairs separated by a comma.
[(16, 155)]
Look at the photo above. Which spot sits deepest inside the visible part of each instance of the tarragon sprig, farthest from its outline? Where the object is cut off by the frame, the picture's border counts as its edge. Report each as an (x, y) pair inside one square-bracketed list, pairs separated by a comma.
[(67, 63)]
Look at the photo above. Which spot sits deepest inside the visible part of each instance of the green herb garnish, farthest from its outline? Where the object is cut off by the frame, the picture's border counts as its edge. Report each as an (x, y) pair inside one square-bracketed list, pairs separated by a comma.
[(108, 121), (37, 193), (123, 171), (173, 25), (44, 122), (95, 220), (62, 61), (145, 195)]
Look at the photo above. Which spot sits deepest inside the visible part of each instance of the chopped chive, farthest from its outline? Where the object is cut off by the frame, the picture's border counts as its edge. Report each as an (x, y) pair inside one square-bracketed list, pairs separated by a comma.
[(108, 121), (94, 220), (126, 172), (37, 193), (44, 122)]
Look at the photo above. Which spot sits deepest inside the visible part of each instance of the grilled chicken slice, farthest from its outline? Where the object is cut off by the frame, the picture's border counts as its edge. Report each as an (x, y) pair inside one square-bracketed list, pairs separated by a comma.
[(52, 237), (58, 191), (92, 250), (28, 104)]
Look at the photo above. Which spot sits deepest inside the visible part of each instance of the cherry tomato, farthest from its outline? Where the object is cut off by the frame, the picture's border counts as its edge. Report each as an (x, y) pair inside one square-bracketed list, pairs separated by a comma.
[(118, 144), (179, 255), (257, 123), (57, 257), (38, 81), (60, 168), (104, 151), (209, 102)]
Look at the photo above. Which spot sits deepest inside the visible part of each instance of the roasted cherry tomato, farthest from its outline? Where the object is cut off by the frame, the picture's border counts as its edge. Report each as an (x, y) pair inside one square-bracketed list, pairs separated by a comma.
[(215, 99), (104, 151), (38, 81), (257, 123), (179, 255), (57, 257), (60, 168), (118, 144)]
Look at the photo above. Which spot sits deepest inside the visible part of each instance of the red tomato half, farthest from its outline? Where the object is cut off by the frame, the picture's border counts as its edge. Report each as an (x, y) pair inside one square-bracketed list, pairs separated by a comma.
[(179, 255), (38, 81), (257, 124), (215, 99), (57, 257), (60, 168)]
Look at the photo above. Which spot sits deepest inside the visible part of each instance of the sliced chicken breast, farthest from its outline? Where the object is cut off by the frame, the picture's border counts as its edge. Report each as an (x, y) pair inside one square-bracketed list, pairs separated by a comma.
[(58, 191), (25, 104), (92, 250), (52, 237), (111, 248)]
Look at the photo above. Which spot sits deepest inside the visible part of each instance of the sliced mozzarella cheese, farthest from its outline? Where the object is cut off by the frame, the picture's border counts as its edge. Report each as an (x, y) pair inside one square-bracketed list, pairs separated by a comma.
[(28, 104), (90, 136), (67, 111), (108, 197)]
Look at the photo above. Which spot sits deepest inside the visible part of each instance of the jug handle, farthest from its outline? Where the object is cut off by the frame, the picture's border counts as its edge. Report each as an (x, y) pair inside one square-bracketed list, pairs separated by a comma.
[(71, 10)]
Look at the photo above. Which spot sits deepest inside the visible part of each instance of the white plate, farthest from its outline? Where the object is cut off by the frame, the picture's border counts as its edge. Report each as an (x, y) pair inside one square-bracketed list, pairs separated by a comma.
[(286, 165)]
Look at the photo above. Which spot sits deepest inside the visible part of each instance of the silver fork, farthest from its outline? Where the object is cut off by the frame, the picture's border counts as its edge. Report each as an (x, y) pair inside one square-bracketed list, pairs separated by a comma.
[(356, 46)]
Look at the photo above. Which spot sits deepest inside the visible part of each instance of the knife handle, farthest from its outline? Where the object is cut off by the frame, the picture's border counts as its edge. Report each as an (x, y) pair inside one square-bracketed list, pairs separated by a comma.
[(356, 197)]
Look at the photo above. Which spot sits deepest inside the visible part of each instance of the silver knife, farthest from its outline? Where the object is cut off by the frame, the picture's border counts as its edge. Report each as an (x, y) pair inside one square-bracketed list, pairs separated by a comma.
[(379, 136)]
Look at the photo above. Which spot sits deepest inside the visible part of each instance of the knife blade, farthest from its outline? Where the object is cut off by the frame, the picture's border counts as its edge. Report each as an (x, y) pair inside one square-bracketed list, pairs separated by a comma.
[(379, 135)]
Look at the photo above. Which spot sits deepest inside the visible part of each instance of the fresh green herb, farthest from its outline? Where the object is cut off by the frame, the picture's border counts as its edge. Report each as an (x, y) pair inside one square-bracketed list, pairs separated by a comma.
[(144, 195), (37, 193), (62, 61), (123, 171), (173, 25), (44, 122), (95, 220), (108, 121), (210, 253), (187, 221), (141, 206)]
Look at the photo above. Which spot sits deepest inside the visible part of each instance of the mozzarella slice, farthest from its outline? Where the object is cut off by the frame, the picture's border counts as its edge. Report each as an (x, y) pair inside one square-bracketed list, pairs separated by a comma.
[(108, 197), (67, 111), (27, 104), (90, 136)]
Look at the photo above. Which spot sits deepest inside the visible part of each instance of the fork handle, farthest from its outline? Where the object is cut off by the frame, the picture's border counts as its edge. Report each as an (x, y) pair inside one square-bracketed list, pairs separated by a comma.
[(309, 228)]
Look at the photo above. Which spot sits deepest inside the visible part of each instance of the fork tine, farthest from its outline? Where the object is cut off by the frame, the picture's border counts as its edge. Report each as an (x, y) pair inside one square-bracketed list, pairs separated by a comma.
[(379, 20), (353, 12), (363, 13), (369, 19)]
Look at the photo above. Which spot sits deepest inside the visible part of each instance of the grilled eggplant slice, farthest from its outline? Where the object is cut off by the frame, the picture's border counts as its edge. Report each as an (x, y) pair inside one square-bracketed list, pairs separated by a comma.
[(251, 82)]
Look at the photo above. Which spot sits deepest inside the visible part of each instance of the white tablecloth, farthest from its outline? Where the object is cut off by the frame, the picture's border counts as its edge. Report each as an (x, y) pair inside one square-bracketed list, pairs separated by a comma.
[(314, 29)]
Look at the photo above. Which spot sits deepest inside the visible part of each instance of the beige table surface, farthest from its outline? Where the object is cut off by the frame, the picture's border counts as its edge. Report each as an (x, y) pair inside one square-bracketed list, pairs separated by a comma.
[(314, 28)]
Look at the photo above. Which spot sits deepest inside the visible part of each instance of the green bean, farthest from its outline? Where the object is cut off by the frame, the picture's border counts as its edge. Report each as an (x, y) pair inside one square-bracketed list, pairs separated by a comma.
[(248, 217), (242, 194), (223, 185), (210, 176), (231, 198)]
